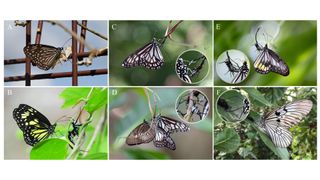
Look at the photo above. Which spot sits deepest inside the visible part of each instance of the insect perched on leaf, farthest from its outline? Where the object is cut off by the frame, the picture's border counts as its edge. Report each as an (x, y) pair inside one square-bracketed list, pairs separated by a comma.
[(268, 60), (74, 132), (276, 123), (158, 131), (149, 56), (34, 125), (43, 56)]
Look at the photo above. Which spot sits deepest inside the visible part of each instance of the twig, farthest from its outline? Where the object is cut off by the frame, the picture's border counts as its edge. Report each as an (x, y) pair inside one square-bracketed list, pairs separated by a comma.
[(188, 115), (95, 134), (92, 31), (149, 101), (71, 33)]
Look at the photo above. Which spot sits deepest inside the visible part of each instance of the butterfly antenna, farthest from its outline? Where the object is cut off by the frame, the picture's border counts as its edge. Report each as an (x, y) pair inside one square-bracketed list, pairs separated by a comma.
[(66, 42)]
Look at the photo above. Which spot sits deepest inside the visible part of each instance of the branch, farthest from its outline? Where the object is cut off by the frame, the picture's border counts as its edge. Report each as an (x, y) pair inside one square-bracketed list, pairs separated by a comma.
[(92, 31)]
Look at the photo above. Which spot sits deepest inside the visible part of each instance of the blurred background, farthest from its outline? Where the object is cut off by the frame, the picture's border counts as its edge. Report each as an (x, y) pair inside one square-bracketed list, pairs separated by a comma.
[(129, 107), (128, 36), (243, 140), (14, 42), (294, 41)]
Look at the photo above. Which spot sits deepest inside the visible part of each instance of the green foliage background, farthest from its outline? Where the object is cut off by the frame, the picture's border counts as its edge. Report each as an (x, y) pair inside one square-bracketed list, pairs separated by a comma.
[(57, 146), (128, 36), (243, 140), (296, 44)]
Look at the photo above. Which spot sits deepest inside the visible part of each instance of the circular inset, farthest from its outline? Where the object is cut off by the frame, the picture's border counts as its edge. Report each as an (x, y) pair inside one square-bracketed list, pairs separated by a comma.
[(192, 106), (232, 106), (192, 66), (233, 66)]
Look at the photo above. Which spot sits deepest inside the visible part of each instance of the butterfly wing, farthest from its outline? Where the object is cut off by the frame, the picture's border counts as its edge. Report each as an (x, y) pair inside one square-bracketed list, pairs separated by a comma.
[(43, 56), (280, 136), (277, 122), (170, 125), (268, 61), (143, 133), (163, 139), (34, 125), (148, 56)]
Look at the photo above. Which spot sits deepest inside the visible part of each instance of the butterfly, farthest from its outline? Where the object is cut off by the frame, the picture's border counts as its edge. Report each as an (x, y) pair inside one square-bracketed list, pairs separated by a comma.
[(43, 56), (268, 60), (276, 123), (232, 66), (242, 74), (149, 56), (143, 133), (158, 131), (34, 125), (74, 132)]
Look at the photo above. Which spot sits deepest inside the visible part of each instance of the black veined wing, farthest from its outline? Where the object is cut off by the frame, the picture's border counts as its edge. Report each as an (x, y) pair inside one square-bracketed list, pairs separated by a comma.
[(143, 133), (268, 60), (149, 56), (170, 125), (74, 132), (43, 56), (232, 66), (34, 125), (241, 74), (277, 123), (163, 139)]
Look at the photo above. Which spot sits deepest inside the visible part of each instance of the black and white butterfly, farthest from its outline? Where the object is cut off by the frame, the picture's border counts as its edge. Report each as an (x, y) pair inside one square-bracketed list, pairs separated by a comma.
[(241, 74), (43, 56), (182, 71), (276, 123), (268, 60), (158, 131), (149, 56), (34, 125), (74, 132)]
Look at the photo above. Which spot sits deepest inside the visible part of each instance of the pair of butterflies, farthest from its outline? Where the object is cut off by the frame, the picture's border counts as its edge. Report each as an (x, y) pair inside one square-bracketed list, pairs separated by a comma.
[(36, 127), (239, 73), (158, 131)]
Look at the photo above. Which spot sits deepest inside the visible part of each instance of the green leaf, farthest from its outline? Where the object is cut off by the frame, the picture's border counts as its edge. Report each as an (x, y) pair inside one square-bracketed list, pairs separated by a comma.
[(227, 141), (205, 125), (145, 154), (256, 95), (50, 149), (73, 96), (96, 156), (98, 98)]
